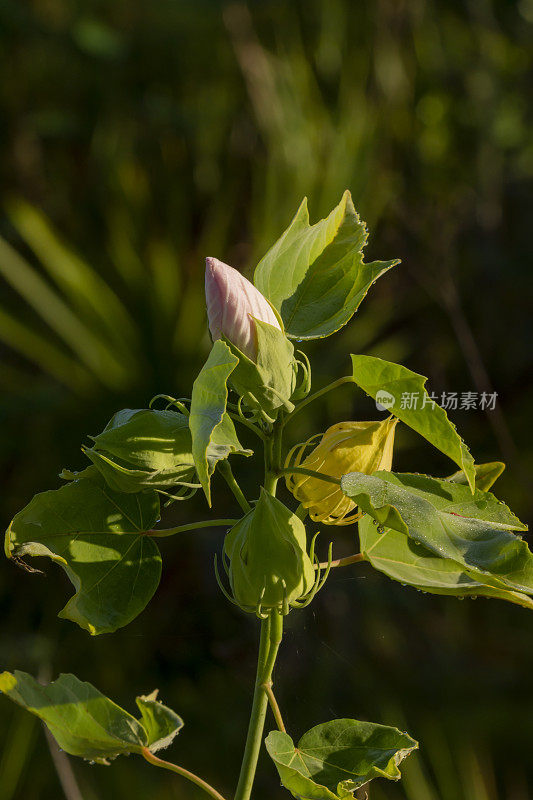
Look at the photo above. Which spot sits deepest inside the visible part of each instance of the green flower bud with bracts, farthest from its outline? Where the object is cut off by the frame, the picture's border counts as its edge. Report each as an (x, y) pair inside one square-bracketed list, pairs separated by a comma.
[(266, 560)]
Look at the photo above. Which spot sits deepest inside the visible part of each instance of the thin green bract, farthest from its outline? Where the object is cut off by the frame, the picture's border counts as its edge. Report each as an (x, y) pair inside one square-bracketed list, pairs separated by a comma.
[(213, 432)]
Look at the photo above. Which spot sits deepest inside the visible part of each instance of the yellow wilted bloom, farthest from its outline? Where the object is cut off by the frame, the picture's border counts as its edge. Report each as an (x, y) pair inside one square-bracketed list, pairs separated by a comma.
[(345, 447)]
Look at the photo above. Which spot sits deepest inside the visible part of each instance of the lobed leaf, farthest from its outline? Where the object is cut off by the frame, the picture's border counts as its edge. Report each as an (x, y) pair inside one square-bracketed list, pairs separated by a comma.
[(429, 511), (412, 564), (160, 723), (98, 537), (402, 388), (85, 723), (334, 759), (314, 275)]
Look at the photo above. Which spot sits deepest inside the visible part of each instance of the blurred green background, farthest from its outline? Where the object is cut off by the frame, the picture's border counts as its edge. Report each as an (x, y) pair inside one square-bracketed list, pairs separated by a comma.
[(135, 139)]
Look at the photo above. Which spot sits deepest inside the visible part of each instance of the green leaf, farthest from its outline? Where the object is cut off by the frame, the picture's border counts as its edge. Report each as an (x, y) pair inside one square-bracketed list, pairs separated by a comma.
[(314, 275), (98, 536), (160, 722), (334, 759), (269, 383), (429, 511), (212, 430), (486, 475), (407, 399), (143, 448), (85, 723), (458, 499), (410, 563)]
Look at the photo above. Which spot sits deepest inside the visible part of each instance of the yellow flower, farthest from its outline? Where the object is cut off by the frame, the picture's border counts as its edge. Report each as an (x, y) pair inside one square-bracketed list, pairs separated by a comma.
[(345, 447)]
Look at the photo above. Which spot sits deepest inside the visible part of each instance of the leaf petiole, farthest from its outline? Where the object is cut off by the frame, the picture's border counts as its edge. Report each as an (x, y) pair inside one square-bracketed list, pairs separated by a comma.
[(208, 523), (242, 419), (342, 562), (227, 474), (316, 395), (190, 776), (274, 706)]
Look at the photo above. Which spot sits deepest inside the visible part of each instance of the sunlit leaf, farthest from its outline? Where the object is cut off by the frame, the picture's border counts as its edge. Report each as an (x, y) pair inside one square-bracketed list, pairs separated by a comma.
[(268, 383), (476, 533), (86, 723), (160, 722), (334, 759), (213, 432), (98, 536), (315, 275), (412, 564), (143, 448), (486, 475), (404, 394)]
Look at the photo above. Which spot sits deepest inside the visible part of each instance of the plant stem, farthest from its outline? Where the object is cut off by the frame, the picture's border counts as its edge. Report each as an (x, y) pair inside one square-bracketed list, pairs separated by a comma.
[(228, 476), (311, 472), (158, 762), (273, 458), (343, 562), (271, 633), (208, 523), (316, 395), (275, 708), (247, 423)]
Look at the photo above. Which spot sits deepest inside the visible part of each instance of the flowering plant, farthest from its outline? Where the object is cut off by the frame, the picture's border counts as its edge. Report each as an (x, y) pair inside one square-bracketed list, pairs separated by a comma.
[(447, 536)]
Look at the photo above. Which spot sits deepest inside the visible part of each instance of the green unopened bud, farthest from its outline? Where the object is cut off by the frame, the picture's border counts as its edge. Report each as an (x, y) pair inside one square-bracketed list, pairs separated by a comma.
[(267, 561), (143, 448)]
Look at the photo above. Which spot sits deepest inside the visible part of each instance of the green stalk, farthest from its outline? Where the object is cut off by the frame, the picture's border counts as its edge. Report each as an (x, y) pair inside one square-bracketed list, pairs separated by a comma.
[(273, 459), (227, 474), (240, 418), (190, 776), (271, 632), (316, 395), (193, 526)]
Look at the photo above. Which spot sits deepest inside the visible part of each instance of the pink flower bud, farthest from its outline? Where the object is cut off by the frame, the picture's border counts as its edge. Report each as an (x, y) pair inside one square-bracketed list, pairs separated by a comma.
[(232, 303)]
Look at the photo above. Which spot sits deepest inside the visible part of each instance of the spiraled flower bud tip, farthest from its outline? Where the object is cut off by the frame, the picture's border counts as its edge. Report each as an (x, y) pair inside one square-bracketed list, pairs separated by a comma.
[(232, 304)]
